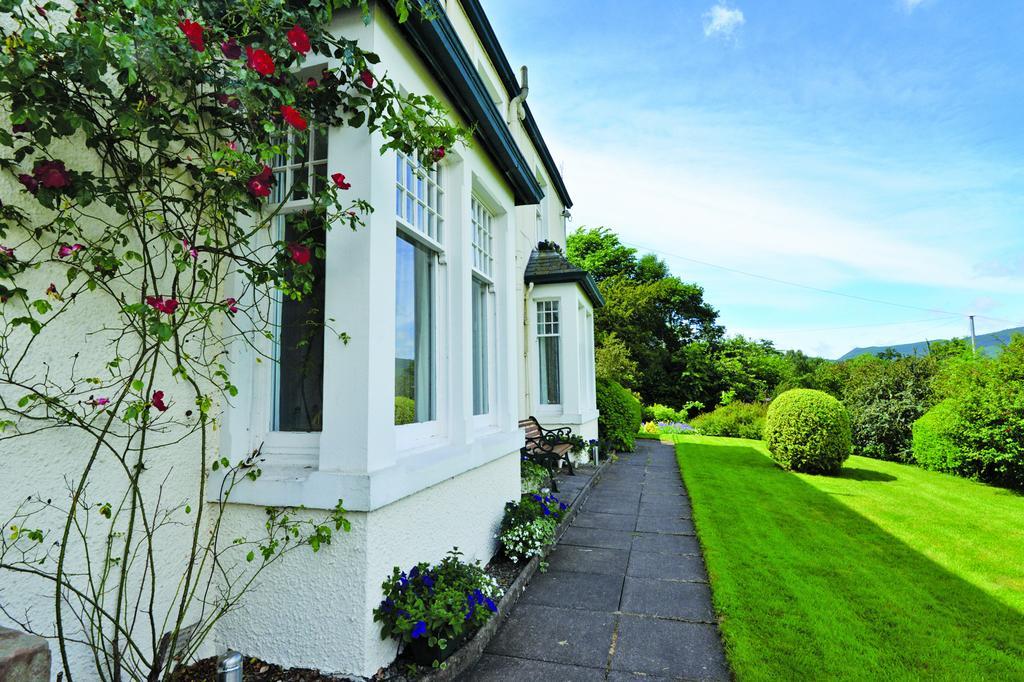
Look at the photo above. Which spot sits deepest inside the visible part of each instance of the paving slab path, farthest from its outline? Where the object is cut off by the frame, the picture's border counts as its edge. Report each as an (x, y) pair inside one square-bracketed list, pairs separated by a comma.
[(626, 595)]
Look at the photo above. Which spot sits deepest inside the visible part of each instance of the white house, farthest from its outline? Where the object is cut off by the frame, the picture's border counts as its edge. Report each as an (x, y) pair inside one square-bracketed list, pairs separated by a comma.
[(464, 318)]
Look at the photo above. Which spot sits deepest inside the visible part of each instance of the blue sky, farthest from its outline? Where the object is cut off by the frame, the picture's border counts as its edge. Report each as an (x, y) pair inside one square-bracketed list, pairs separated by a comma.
[(873, 148)]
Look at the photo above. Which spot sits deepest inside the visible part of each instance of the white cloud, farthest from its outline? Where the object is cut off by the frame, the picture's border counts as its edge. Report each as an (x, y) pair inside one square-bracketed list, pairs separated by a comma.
[(911, 5), (723, 20)]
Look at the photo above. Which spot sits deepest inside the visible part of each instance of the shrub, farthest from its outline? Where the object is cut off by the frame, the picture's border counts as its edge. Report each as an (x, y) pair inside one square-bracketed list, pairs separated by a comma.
[(529, 526), (621, 415), (663, 413), (984, 417), (737, 420), (934, 445), (532, 476), (405, 410), (436, 604), (885, 396), (808, 430)]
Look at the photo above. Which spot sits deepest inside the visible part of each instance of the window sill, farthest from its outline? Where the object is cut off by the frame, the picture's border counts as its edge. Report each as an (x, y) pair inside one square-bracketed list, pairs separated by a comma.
[(294, 484)]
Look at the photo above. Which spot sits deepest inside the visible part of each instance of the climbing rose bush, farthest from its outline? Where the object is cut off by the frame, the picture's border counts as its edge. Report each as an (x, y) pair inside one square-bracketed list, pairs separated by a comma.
[(137, 144)]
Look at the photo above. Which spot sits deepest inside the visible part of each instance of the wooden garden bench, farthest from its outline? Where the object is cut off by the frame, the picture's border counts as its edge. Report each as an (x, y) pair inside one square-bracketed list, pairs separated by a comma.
[(547, 447)]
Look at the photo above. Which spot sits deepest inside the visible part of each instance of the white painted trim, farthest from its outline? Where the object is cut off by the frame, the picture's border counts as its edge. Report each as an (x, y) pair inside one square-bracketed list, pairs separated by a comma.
[(294, 486)]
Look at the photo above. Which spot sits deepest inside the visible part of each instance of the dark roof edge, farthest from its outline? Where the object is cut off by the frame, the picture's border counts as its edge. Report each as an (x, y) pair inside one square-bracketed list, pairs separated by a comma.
[(442, 51), (581, 277), (484, 30)]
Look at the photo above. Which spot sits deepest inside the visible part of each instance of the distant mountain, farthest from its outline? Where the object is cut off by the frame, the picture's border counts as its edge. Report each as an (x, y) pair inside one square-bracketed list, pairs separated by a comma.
[(987, 343)]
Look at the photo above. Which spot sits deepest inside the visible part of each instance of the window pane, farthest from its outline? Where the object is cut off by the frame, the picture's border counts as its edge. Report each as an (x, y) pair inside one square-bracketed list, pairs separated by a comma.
[(549, 384), (481, 322), (414, 333), (300, 352)]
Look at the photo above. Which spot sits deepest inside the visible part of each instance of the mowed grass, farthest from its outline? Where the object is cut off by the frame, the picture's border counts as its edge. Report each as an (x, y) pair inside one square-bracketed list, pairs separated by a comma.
[(885, 572)]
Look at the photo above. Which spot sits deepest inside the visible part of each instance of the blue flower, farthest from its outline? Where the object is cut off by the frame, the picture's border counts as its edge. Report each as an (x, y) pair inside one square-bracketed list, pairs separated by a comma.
[(403, 581), (490, 605), (415, 571), (536, 498), (388, 605), (563, 506), (547, 512), (478, 595), (428, 580), (419, 630)]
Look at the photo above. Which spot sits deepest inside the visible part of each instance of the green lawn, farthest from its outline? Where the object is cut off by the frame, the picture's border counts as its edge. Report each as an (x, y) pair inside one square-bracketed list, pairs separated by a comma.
[(885, 572)]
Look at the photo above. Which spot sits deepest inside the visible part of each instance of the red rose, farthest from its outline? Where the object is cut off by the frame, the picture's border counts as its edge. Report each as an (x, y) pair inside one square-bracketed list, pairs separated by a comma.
[(339, 180), (52, 174), (311, 83), (293, 117), (31, 184), (366, 77), (194, 33), (299, 253), (438, 153), (158, 401), (162, 305), (230, 304), (259, 184), (259, 61), (231, 49), (298, 39)]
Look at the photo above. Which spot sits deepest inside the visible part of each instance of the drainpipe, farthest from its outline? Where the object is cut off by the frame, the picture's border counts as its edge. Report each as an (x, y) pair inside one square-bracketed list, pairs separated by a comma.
[(526, 342), (515, 105)]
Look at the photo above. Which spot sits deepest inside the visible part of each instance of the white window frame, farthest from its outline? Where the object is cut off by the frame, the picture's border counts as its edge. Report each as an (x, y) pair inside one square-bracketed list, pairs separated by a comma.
[(304, 444), (542, 322), (483, 221), (420, 190), (423, 435)]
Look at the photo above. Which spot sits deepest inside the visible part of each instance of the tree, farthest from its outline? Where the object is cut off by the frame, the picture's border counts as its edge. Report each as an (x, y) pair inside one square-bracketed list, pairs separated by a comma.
[(654, 314), (161, 256), (599, 251)]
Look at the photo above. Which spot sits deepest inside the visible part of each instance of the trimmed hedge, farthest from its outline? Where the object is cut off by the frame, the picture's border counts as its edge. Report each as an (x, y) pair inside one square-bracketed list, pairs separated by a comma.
[(934, 447), (808, 431), (621, 415), (736, 420)]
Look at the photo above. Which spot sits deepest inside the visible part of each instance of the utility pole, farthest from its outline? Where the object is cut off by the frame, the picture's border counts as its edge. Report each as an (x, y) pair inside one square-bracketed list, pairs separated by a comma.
[(974, 343)]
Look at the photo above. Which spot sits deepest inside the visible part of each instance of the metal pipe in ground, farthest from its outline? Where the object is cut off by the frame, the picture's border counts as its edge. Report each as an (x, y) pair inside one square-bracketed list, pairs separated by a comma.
[(229, 667)]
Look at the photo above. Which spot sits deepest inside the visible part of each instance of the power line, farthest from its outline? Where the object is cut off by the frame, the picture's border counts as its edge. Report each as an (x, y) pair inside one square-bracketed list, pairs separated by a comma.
[(944, 320), (820, 290)]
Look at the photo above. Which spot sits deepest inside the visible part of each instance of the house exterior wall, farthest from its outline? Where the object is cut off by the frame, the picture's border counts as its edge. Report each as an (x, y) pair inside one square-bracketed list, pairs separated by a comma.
[(412, 496)]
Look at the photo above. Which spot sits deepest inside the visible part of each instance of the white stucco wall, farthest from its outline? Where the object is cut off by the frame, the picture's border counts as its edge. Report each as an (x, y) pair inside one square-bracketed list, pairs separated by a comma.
[(314, 610)]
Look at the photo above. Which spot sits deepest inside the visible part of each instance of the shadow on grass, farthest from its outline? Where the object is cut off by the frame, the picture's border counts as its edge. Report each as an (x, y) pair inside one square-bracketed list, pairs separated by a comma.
[(807, 588), (857, 474)]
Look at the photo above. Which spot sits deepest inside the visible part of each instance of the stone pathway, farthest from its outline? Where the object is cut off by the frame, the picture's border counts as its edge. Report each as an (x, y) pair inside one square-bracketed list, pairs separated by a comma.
[(626, 595)]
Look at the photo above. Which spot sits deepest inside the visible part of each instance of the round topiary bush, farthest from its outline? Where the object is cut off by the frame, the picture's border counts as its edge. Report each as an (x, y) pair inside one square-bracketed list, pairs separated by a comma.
[(808, 431)]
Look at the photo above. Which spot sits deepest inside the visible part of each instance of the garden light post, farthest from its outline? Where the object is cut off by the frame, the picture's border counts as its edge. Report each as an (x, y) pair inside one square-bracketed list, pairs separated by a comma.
[(229, 667)]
